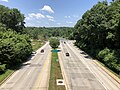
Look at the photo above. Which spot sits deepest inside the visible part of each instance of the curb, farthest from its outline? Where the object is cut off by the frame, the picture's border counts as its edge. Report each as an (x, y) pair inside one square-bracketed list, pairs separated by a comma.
[(63, 71), (108, 72)]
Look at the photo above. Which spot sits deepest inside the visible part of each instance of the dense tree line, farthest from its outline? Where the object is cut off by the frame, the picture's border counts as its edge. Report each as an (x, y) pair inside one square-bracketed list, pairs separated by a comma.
[(15, 47), (98, 33), (46, 32)]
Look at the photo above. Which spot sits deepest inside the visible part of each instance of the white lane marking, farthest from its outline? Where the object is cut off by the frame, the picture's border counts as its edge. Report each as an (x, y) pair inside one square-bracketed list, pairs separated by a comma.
[(29, 72)]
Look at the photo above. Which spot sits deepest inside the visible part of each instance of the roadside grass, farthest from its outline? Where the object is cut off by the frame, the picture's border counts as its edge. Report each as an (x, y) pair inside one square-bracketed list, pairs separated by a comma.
[(6, 74), (55, 73), (36, 44)]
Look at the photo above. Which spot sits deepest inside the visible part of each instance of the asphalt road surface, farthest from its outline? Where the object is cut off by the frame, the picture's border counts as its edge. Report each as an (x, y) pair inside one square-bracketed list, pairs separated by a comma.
[(81, 73), (33, 75)]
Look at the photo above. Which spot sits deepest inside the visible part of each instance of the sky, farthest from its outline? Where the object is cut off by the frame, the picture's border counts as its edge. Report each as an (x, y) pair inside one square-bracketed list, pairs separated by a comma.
[(51, 13)]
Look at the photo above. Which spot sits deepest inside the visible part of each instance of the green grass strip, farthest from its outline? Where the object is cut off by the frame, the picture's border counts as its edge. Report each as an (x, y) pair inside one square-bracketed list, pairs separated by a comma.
[(55, 73), (36, 44), (5, 75)]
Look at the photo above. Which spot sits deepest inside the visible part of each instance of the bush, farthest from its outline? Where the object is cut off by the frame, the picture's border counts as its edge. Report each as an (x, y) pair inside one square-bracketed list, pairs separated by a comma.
[(110, 59), (103, 53), (14, 48)]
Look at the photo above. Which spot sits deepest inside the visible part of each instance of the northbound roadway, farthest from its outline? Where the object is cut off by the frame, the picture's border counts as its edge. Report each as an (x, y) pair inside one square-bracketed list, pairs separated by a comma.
[(81, 73)]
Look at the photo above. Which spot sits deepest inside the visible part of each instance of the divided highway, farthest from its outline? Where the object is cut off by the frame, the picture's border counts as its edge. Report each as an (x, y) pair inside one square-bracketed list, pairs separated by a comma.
[(81, 73), (33, 75)]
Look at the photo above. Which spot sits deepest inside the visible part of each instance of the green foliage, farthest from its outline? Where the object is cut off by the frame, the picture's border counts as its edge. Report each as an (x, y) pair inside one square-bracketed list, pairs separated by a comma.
[(2, 27), (14, 48), (107, 56), (110, 58), (43, 32), (36, 44), (2, 68), (54, 42), (12, 18), (103, 53), (98, 33), (5, 74)]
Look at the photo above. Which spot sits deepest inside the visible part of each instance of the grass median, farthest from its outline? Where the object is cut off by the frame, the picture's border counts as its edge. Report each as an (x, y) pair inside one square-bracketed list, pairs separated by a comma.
[(55, 73)]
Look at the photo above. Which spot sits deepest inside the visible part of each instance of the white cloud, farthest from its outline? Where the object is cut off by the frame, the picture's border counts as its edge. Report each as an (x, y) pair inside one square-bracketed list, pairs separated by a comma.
[(69, 22), (50, 18), (3, 0), (27, 18), (36, 15), (67, 17), (47, 8)]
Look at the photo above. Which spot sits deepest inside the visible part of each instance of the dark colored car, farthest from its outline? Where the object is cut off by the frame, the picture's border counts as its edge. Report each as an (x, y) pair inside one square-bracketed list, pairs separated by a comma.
[(67, 54), (87, 56), (83, 53), (42, 51)]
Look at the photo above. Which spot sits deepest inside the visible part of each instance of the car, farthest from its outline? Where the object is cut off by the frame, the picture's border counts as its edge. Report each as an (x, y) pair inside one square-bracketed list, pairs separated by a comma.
[(83, 53), (87, 56), (34, 52), (42, 51), (67, 54)]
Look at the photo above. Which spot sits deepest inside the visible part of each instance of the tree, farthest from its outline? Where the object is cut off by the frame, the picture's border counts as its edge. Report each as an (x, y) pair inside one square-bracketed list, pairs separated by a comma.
[(98, 33), (42, 32), (12, 18), (14, 48), (54, 42)]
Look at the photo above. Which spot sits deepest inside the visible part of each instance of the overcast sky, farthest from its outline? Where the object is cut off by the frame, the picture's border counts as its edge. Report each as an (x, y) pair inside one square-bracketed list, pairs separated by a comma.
[(51, 13)]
